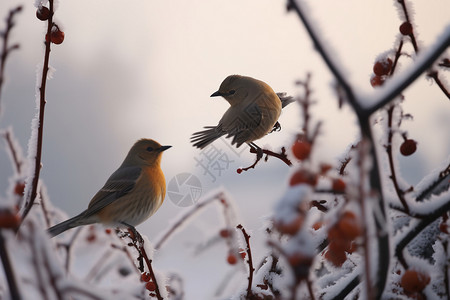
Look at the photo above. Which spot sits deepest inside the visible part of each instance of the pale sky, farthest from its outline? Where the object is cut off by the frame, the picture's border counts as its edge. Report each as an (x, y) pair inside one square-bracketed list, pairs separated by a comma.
[(135, 69)]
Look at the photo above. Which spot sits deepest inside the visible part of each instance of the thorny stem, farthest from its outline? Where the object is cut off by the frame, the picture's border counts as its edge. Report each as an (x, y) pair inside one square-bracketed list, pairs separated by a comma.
[(251, 269), (5, 49), (31, 197)]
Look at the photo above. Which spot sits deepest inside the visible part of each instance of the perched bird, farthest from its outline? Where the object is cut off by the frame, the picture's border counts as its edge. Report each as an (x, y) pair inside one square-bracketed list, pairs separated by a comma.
[(132, 193), (253, 113)]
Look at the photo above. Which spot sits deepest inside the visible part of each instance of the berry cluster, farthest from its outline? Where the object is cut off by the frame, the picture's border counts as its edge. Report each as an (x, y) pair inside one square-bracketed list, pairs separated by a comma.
[(56, 34), (149, 284)]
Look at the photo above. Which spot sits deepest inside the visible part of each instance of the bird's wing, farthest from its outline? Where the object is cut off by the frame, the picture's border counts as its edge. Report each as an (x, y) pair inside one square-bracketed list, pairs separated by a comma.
[(243, 126), (119, 184)]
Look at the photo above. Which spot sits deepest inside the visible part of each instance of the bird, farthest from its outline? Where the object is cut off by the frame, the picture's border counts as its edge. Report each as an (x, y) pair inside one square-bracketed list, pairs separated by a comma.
[(132, 194), (254, 111)]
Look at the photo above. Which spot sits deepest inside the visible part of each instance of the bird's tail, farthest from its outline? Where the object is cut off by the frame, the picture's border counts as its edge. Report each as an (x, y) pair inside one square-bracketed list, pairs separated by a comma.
[(285, 99), (68, 224), (203, 138)]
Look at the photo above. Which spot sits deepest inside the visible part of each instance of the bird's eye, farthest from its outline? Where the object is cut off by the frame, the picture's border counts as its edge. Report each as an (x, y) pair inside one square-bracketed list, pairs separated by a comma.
[(231, 92), (149, 149)]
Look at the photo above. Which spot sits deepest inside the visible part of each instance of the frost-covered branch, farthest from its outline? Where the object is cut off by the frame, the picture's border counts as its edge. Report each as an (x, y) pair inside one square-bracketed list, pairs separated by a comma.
[(419, 226)]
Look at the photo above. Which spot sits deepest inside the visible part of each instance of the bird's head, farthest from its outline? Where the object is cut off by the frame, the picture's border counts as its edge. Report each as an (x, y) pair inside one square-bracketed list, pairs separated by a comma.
[(145, 152), (235, 88)]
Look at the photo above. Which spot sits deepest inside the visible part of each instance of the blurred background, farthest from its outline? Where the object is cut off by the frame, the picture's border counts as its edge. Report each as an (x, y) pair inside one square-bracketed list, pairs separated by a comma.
[(128, 70)]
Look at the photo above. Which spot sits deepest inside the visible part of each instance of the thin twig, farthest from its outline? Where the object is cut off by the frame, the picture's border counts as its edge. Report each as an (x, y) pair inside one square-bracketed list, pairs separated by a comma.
[(6, 50), (31, 196), (251, 269), (411, 36), (400, 192), (12, 149)]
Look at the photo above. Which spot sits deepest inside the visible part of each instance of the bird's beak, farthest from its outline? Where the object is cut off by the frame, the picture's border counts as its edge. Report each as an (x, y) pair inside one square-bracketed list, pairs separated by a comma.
[(216, 94), (163, 148)]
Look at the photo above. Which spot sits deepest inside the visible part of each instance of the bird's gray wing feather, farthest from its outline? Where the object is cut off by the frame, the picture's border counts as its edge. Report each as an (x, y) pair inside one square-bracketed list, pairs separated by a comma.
[(121, 182), (245, 124)]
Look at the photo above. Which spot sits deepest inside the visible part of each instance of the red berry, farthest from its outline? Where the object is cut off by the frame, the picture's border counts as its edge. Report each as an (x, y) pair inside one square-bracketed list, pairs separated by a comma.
[(382, 67), (303, 176), (19, 188), (145, 277), (108, 231), (338, 185), (317, 225), (91, 238), (9, 219), (150, 286), (414, 281), (43, 13), (56, 36), (408, 147), (242, 253), (301, 149), (348, 225), (377, 81), (324, 168), (231, 259), (225, 233), (406, 28), (239, 171), (290, 228)]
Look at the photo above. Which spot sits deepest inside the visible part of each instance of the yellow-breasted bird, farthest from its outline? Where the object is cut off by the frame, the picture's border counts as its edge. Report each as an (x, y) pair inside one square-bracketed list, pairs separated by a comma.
[(133, 193), (253, 112)]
